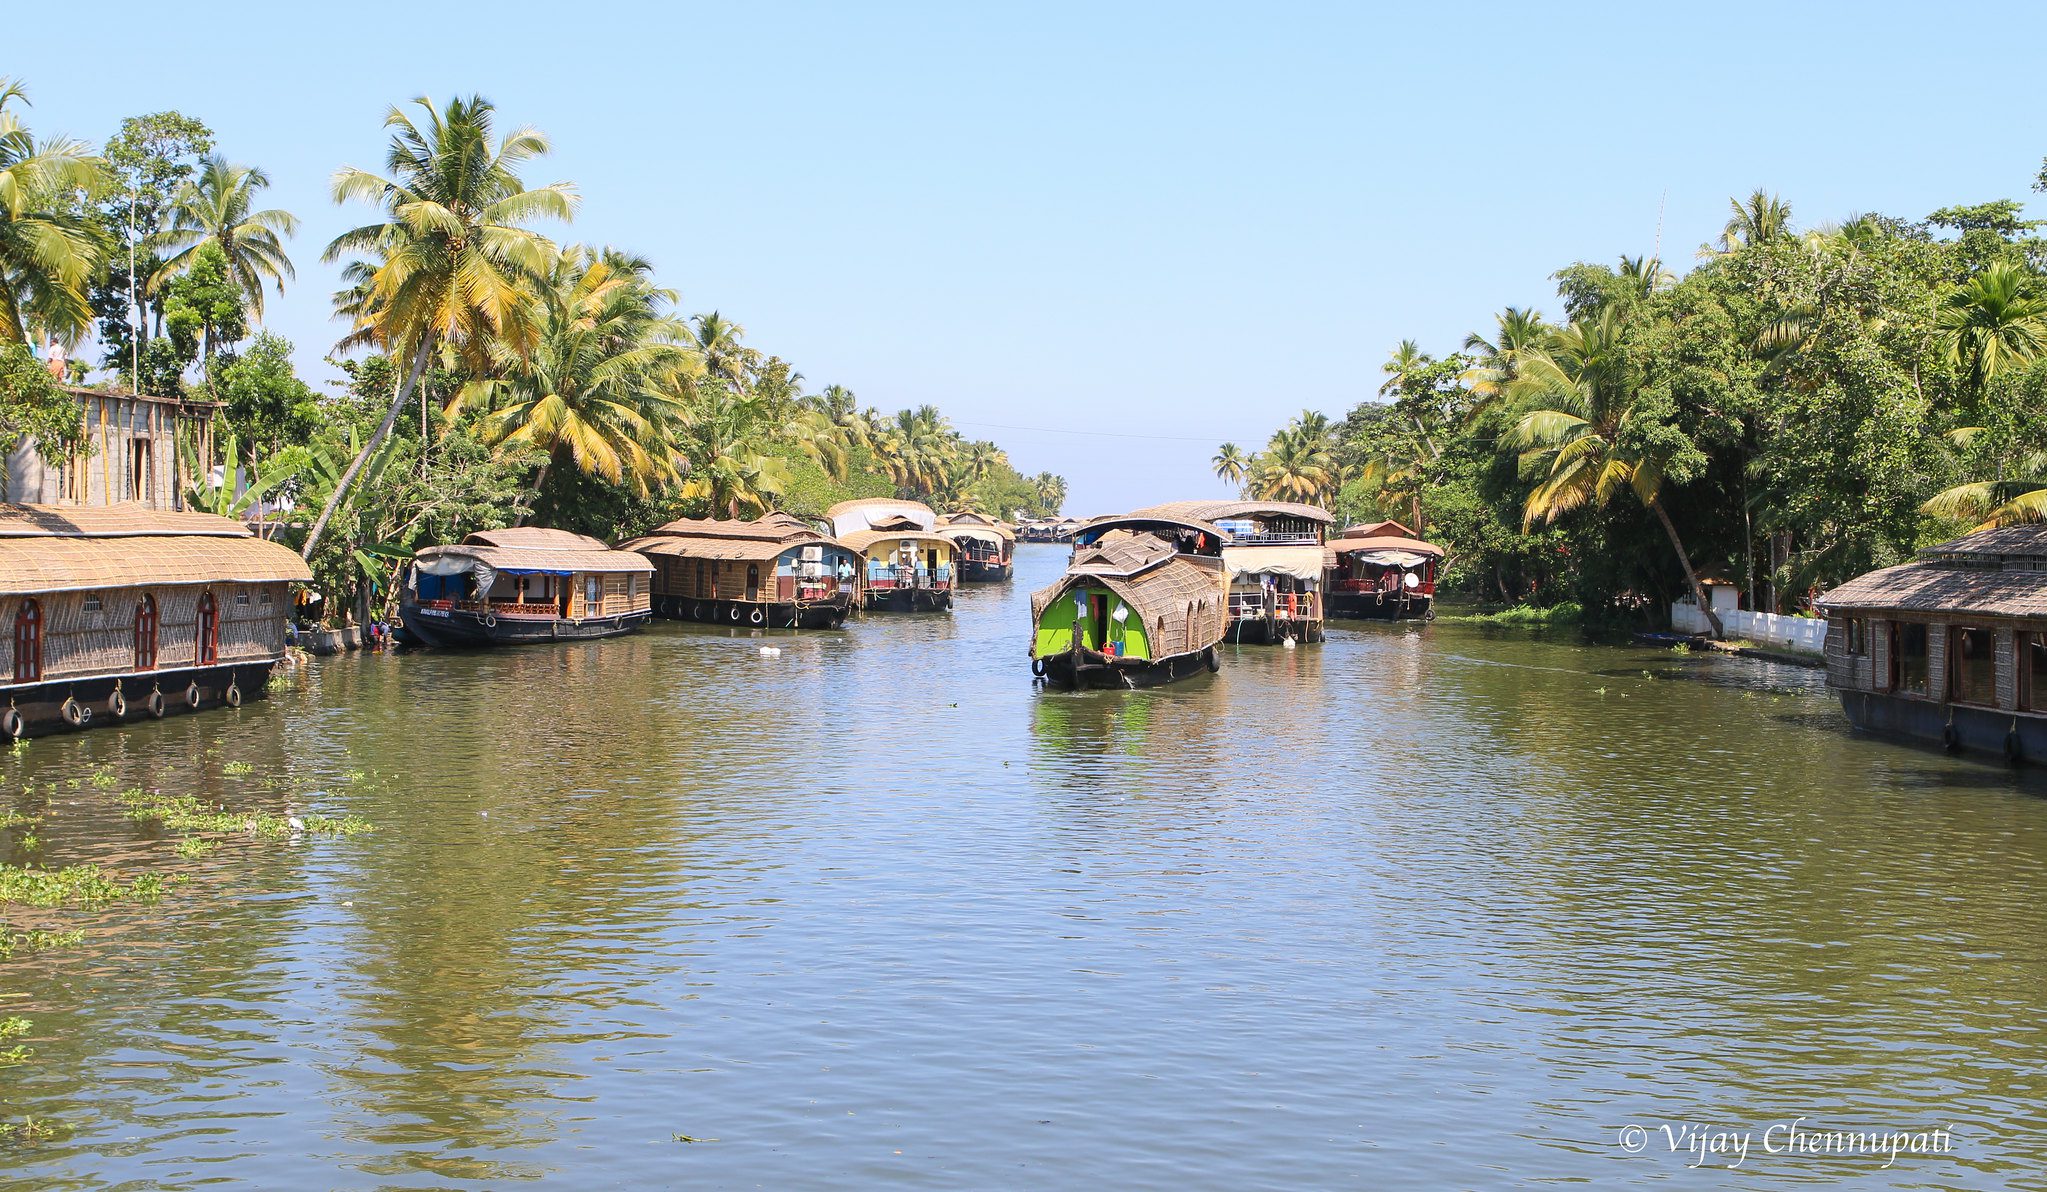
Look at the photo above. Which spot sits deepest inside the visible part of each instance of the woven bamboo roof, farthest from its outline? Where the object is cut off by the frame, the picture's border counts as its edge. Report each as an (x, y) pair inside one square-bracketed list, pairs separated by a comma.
[(691, 546), (1153, 579), (63, 549), (1148, 521), (1384, 529), (775, 527), (2028, 541), (111, 521), (862, 539), (967, 520), (1350, 546), (1215, 511), (533, 548), (870, 513), (1944, 588)]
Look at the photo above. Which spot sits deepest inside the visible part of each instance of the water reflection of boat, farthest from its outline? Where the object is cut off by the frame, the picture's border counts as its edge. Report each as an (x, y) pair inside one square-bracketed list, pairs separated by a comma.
[(522, 585), (1951, 647), (1144, 601), (775, 572), (985, 546), (120, 612), (1381, 572)]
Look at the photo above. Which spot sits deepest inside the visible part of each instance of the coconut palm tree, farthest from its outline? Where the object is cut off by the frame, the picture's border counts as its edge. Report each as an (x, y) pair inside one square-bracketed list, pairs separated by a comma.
[(1295, 466), (1581, 437), (1993, 503), (725, 437), (1763, 218), (48, 252), (1518, 330), (452, 265), (1229, 464), (602, 386), (1051, 491), (215, 207), (725, 358), (1406, 360), (1995, 320)]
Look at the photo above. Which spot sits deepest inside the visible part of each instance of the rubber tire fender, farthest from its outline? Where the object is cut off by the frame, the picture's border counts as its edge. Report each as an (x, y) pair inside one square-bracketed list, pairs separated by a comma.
[(233, 696), (154, 702), (1950, 740), (117, 703), (192, 694), (11, 723), (74, 713)]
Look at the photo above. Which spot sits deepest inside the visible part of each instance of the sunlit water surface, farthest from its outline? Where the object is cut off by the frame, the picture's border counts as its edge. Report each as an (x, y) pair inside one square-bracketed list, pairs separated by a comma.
[(1418, 907)]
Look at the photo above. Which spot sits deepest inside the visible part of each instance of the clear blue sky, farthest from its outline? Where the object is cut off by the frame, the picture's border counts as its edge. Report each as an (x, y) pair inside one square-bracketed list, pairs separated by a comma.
[(1174, 222)]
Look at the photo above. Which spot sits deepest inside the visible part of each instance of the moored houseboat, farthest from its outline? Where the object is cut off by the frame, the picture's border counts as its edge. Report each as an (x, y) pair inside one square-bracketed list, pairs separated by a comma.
[(773, 573), (1948, 648), (1132, 610), (120, 613), (903, 568), (1380, 572), (522, 585), (1275, 564), (985, 547)]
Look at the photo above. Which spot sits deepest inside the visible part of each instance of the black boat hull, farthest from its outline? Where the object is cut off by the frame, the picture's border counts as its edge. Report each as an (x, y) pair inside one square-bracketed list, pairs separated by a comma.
[(1262, 632), (1379, 606), (1086, 669), (908, 600), (461, 627), (1958, 728), (63, 705), (984, 571), (742, 614)]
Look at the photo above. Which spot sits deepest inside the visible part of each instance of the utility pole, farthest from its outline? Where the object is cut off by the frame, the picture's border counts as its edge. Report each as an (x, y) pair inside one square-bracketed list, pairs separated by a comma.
[(134, 308)]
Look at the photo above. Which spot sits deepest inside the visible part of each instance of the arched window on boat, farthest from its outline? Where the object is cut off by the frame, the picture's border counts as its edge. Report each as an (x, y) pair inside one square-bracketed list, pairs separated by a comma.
[(208, 652), (28, 642), (145, 633)]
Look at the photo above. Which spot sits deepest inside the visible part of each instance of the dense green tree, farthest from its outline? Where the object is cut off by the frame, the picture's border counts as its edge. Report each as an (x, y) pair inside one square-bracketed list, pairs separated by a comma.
[(218, 208), (148, 161), (49, 250), (33, 406)]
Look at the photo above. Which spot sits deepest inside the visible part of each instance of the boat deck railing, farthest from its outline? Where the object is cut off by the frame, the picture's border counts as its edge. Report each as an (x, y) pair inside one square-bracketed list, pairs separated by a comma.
[(896, 578), (1373, 585), (1285, 606), (507, 608), (1276, 538)]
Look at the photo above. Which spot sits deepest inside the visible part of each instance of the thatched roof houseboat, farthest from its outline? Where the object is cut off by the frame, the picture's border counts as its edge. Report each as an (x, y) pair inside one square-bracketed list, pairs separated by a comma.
[(1275, 564), (1381, 571), (1951, 647), (1131, 611), (874, 513), (986, 547), (776, 572), (120, 612), (526, 584), (903, 568)]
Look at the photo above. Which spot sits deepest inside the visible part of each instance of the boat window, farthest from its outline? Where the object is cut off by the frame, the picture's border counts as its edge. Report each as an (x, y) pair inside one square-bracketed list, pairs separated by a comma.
[(593, 591), (2033, 671), (208, 652), (28, 642), (241, 598), (92, 602), (145, 634), (1858, 637), (1908, 657), (1972, 662)]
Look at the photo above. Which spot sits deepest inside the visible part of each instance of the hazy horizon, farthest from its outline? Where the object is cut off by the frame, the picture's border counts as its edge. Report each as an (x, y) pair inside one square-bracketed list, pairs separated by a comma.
[(1108, 241)]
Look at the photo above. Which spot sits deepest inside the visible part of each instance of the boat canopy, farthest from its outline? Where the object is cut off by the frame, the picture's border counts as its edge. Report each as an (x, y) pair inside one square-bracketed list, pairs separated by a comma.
[(52, 549), (1214, 537), (1181, 601), (1299, 562), (874, 513)]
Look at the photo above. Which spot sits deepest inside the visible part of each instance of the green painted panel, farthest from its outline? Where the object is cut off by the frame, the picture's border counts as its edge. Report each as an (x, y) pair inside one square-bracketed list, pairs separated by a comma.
[(1055, 629)]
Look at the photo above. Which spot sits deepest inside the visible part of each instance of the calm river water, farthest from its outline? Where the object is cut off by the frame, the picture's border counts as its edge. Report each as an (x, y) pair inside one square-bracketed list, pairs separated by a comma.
[(1419, 907)]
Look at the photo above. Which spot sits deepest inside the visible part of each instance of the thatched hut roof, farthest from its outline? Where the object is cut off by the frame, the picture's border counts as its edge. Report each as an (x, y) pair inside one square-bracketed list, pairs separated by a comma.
[(1160, 584), (1152, 523), (1215, 511), (1354, 546), (530, 550), (1384, 529), (723, 539), (868, 513), (976, 525), (860, 540), (2028, 541), (46, 548), (1938, 588)]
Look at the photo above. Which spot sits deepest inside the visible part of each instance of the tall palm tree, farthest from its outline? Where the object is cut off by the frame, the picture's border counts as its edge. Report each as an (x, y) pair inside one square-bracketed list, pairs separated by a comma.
[(1580, 434), (725, 357), (725, 436), (48, 252), (601, 388), (1406, 360), (1294, 467), (215, 207), (1051, 491), (1230, 463), (452, 265), (1993, 503), (1762, 218), (1645, 275), (1995, 320), (1518, 331)]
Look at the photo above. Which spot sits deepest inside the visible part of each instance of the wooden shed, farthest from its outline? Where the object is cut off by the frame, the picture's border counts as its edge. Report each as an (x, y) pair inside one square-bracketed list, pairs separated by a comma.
[(118, 612)]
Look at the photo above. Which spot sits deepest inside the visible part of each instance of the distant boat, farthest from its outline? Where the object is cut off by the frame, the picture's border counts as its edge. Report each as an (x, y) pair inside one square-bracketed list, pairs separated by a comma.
[(1949, 648), (114, 613), (907, 566), (1274, 559), (776, 572), (986, 547), (1144, 601), (522, 585), (1381, 572)]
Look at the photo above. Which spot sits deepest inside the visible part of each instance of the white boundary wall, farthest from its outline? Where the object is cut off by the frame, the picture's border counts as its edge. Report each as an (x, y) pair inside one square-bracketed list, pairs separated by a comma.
[(1797, 633)]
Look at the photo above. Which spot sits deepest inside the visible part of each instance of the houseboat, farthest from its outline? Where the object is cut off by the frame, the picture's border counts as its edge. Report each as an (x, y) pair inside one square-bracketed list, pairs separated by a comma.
[(1274, 559), (1380, 572), (985, 547), (121, 612), (527, 584), (776, 573), (1132, 610), (1951, 647), (903, 568)]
